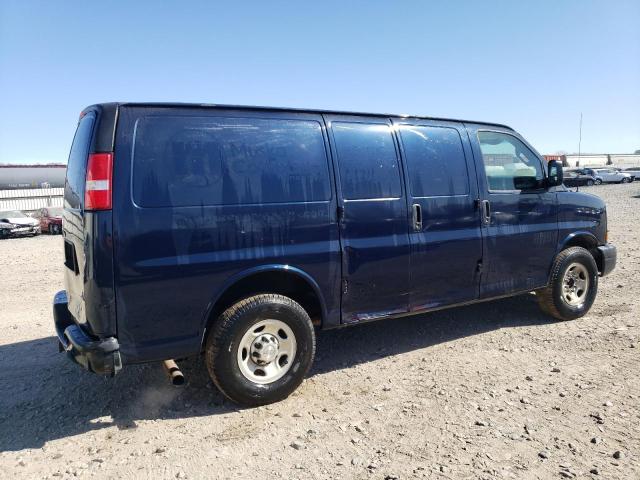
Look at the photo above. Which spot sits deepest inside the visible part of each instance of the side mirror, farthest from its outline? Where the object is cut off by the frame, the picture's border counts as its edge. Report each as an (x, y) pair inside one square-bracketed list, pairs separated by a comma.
[(554, 173)]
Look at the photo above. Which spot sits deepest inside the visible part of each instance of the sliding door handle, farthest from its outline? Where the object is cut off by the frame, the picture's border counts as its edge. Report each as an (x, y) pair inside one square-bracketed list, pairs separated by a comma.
[(417, 217)]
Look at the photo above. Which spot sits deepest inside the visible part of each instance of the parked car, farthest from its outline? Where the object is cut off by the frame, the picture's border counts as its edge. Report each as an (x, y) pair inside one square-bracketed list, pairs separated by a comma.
[(611, 175), (17, 223), (634, 172), (237, 232), (590, 172), (50, 219), (575, 179)]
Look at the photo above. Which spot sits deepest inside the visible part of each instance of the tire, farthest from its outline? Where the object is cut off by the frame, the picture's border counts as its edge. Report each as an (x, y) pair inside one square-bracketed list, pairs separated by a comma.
[(233, 343), (625, 180), (560, 303), (590, 183), (598, 181)]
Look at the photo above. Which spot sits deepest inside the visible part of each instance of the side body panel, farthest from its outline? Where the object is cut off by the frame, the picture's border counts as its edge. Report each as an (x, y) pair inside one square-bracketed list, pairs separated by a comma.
[(172, 262)]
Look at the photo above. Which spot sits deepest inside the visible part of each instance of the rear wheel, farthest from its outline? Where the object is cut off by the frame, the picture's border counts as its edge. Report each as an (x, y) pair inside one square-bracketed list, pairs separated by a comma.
[(590, 183), (625, 180), (598, 181), (573, 285), (260, 349)]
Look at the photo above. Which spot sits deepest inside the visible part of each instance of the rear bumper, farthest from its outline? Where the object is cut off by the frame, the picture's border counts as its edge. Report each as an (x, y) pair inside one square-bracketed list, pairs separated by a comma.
[(97, 355), (608, 258)]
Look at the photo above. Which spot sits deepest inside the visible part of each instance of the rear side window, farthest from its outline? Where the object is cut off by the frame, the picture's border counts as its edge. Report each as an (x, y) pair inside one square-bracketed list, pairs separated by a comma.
[(188, 161), (77, 163), (368, 161), (435, 161)]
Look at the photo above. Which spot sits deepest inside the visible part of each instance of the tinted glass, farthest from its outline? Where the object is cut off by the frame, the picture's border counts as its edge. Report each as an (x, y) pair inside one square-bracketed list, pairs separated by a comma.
[(507, 160), (77, 163), (435, 161), (186, 161), (367, 159)]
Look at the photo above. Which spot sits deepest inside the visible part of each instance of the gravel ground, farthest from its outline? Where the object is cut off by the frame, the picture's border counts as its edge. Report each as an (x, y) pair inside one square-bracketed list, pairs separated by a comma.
[(495, 390)]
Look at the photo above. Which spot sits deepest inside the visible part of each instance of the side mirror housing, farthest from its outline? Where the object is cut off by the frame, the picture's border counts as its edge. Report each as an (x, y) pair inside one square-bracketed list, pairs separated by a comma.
[(554, 173)]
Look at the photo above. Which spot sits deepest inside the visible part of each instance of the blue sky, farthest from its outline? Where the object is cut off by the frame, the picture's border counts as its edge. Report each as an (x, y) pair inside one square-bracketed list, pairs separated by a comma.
[(534, 65)]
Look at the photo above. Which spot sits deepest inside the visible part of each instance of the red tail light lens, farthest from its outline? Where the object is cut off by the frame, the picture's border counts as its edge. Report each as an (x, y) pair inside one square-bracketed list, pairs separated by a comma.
[(98, 187)]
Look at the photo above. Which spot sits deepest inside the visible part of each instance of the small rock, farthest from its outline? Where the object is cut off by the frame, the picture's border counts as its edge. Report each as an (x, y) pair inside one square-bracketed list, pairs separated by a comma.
[(297, 446), (22, 463), (618, 455), (596, 440), (529, 378), (386, 389), (608, 403), (481, 423), (563, 394), (525, 400), (543, 454), (296, 415), (56, 456), (160, 450), (595, 471), (555, 370), (181, 475), (391, 476), (98, 460), (355, 461)]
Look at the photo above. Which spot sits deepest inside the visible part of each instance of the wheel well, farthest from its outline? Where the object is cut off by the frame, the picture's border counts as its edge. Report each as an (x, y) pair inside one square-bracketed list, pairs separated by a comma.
[(589, 243), (283, 283)]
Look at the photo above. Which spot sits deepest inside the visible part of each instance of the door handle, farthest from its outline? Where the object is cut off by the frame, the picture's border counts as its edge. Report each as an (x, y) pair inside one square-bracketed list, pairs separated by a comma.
[(417, 217), (486, 211)]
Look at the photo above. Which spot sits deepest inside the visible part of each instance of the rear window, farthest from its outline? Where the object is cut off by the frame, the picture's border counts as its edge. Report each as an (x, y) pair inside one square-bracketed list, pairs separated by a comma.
[(77, 163), (187, 161)]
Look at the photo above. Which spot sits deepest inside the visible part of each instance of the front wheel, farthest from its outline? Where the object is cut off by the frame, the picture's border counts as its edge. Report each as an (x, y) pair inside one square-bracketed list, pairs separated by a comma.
[(590, 183), (573, 285), (598, 181), (625, 180), (260, 349)]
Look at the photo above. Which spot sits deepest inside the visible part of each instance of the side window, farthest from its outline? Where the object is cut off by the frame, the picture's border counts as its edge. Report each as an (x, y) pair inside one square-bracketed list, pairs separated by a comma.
[(77, 163), (435, 161), (508, 163), (187, 161), (368, 160)]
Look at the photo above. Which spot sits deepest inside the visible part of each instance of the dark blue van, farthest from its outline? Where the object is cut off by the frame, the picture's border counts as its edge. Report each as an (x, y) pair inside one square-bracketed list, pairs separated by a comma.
[(236, 232)]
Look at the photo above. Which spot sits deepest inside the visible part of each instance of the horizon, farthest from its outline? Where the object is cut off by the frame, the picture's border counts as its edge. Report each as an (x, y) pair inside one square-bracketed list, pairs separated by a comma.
[(535, 67)]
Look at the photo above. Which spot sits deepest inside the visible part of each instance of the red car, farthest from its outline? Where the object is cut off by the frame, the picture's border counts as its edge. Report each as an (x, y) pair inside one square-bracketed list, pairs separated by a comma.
[(50, 219)]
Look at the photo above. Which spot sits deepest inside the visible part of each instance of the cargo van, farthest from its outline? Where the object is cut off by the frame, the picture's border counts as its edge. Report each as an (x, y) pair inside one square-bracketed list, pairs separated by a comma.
[(236, 233)]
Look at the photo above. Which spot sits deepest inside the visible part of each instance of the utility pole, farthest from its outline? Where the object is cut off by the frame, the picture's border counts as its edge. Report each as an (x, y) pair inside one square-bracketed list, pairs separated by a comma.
[(580, 139)]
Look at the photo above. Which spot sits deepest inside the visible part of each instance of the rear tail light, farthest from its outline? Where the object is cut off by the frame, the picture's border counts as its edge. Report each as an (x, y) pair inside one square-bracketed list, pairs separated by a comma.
[(98, 187)]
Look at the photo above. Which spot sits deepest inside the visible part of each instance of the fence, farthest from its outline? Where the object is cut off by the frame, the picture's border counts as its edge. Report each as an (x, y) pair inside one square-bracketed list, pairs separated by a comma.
[(30, 199)]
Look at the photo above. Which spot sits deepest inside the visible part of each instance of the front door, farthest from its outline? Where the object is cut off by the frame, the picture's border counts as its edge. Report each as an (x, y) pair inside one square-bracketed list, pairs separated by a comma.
[(445, 233), (520, 215), (373, 218)]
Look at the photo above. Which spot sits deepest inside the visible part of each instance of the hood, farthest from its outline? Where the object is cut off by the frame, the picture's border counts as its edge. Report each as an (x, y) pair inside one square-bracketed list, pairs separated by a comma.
[(22, 221)]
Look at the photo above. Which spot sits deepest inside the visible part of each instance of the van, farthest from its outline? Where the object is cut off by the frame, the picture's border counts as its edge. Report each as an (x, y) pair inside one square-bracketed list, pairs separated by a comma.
[(236, 233)]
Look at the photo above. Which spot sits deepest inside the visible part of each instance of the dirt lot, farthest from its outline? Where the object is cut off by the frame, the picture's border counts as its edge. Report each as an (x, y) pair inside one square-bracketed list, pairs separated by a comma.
[(495, 390)]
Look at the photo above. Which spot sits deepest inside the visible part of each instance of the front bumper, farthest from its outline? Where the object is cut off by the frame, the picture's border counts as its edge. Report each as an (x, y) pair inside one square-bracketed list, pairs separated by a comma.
[(608, 257), (97, 355)]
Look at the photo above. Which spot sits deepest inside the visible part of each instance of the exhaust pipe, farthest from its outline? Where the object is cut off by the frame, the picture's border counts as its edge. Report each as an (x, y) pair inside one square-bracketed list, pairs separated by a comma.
[(173, 371)]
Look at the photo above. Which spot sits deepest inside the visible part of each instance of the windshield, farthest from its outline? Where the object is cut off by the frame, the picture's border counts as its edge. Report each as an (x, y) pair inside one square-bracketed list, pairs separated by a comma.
[(55, 212), (12, 214)]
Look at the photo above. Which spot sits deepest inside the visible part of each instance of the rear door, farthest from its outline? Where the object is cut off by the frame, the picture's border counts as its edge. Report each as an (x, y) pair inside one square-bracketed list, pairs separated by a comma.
[(373, 218), (520, 224), (446, 240), (74, 219)]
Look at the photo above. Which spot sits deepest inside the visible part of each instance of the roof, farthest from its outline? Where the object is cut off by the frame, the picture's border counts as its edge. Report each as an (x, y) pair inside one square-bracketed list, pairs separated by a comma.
[(286, 109)]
